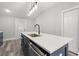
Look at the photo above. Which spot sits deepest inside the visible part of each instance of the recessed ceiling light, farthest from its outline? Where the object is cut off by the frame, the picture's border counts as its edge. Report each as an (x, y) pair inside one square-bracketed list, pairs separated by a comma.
[(7, 10)]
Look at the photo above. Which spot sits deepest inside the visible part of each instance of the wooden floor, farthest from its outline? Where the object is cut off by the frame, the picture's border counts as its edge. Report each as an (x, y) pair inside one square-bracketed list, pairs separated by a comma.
[(11, 48)]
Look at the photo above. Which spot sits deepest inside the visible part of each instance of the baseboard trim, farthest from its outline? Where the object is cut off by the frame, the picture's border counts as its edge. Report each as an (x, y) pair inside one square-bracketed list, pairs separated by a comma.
[(14, 38), (73, 53)]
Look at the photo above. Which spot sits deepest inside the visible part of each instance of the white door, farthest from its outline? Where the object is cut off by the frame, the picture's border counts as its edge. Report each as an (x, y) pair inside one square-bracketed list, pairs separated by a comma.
[(70, 28)]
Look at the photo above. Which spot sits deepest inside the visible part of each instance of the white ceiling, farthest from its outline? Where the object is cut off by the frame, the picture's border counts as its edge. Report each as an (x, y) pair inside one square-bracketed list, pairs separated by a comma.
[(17, 9), (21, 9)]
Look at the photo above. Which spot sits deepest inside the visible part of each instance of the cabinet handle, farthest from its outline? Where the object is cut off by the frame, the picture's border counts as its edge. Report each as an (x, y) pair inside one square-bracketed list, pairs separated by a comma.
[(38, 52), (33, 49)]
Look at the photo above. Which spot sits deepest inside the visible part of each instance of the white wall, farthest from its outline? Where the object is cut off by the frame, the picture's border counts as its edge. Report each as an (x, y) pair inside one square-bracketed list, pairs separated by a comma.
[(11, 26), (23, 25), (50, 20), (7, 26)]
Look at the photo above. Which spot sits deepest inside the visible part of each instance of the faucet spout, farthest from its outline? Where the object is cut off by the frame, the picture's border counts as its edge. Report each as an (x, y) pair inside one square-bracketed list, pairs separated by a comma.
[(38, 27)]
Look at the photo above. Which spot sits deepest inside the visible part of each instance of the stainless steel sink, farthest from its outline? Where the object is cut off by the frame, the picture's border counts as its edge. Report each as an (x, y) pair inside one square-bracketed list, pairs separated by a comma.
[(34, 35)]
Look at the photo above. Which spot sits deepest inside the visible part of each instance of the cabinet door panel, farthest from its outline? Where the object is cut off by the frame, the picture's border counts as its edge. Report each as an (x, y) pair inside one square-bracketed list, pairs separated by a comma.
[(26, 48), (63, 51), (60, 52), (1, 38)]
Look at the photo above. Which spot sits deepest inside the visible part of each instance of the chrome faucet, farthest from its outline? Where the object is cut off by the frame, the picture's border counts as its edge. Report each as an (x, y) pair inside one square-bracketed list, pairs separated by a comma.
[(38, 27)]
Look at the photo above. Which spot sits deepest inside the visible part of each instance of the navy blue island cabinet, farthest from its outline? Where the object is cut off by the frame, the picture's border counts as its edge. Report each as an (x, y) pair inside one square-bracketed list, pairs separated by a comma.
[(30, 48), (1, 38)]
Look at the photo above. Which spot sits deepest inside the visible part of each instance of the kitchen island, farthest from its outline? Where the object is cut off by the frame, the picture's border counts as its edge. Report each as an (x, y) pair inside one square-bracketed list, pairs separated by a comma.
[(50, 45)]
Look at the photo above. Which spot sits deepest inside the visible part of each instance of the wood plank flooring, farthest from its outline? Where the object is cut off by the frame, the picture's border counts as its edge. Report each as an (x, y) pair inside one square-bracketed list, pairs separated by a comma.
[(11, 48)]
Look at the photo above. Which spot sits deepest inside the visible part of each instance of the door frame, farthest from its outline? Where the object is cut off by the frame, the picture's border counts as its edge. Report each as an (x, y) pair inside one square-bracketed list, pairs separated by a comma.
[(62, 17)]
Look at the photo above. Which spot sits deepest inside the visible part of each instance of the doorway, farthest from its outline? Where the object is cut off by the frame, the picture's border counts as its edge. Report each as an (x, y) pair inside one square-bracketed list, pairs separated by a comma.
[(70, 22)]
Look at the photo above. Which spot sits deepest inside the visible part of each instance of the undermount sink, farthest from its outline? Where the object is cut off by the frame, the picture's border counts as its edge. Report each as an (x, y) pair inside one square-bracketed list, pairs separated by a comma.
[(34, 35)]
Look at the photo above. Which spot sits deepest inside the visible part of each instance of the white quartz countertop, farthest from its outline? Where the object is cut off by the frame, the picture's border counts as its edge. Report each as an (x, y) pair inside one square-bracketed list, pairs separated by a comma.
[(48, 42)]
